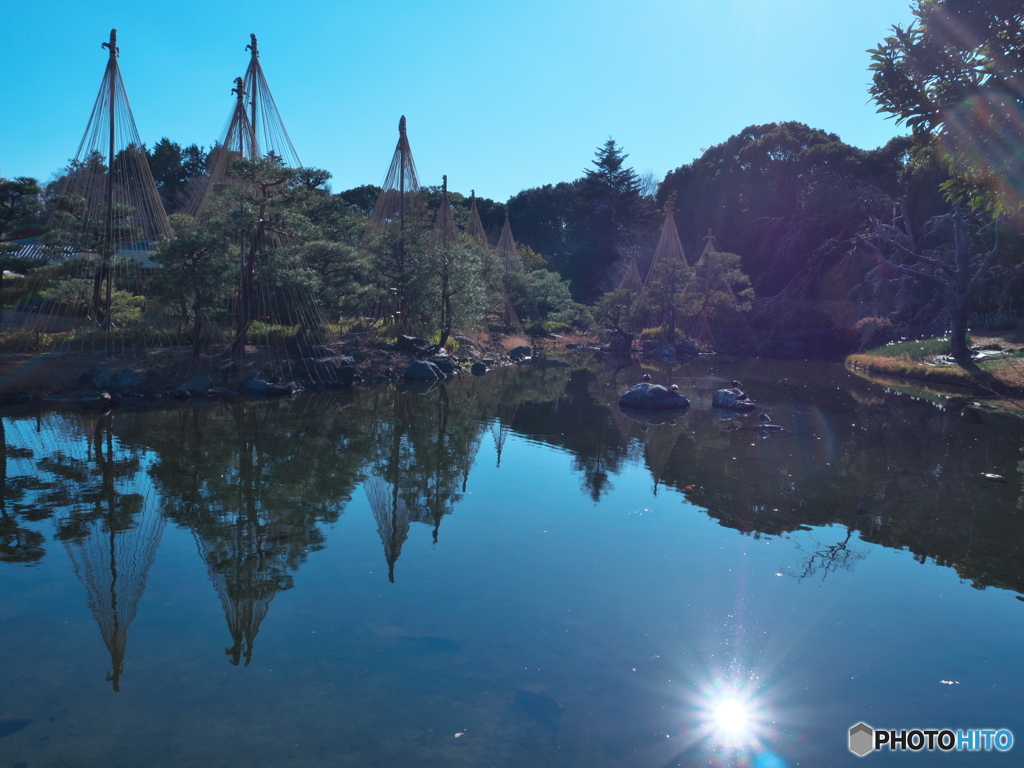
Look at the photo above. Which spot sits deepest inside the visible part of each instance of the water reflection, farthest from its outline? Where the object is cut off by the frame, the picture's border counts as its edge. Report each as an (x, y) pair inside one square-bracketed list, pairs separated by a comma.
[(263, 488), (18, 542), (735, 720), (255, 483), (110, 528)]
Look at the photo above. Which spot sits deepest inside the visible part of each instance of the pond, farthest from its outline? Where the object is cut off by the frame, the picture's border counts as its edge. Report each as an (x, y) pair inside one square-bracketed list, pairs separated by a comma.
[(508, 571)]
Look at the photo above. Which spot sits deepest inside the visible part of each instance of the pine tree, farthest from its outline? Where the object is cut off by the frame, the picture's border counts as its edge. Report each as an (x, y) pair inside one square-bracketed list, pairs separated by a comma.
[(609, 211)]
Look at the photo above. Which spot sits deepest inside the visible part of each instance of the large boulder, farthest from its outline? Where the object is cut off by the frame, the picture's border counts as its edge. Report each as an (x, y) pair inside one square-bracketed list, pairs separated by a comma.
[(121, 380), (467, 346), (521, 352), (446, 364), (652, 397), (413, 346), (197, 387), (479, 369), (734, 399), (684, 347), (422, 370)]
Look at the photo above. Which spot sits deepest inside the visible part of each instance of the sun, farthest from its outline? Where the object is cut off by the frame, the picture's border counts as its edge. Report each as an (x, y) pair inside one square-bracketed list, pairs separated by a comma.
[(730, 718)]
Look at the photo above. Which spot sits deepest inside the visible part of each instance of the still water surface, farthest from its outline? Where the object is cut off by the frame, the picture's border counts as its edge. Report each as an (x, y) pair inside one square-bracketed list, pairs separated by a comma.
[(508, 571)]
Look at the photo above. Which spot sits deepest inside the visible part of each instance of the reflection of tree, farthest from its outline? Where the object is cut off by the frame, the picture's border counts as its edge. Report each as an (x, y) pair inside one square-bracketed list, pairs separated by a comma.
[(577, 421), (110, 532), (421, 462), (446, 442), (253, 482), (18, 544), (828, 558), (388, 465)]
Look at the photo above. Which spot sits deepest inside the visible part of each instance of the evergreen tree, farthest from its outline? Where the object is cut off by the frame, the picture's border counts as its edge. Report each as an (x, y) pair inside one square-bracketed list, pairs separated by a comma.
[(609, 211)]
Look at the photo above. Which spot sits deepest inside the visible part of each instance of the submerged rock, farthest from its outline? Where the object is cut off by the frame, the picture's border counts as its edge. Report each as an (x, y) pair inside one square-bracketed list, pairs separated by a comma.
[(652, 397)]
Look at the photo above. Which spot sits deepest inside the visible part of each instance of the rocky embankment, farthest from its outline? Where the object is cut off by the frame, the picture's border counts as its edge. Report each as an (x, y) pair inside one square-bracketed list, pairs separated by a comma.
[(103, 381)]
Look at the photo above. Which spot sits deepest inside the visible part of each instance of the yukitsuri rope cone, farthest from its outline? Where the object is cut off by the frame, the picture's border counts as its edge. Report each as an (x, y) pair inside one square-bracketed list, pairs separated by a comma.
[(256, 133), (255, 130), (400, 185), (474, 226), (106, 214)]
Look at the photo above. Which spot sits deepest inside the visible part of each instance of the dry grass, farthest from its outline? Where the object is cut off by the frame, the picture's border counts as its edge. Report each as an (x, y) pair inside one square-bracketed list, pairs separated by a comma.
[(508, 343), (912, 363), (562, 339)]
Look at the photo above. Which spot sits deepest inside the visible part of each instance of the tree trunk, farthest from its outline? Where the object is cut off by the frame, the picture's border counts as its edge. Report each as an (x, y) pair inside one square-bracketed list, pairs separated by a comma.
[(197, 335), (959, 348)]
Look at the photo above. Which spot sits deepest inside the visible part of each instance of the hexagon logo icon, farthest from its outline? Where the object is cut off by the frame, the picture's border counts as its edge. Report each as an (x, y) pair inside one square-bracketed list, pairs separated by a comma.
[(862, 739)]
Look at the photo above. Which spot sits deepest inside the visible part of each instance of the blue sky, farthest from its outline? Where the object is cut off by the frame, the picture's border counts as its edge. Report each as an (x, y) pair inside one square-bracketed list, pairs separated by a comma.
[(499, 96)]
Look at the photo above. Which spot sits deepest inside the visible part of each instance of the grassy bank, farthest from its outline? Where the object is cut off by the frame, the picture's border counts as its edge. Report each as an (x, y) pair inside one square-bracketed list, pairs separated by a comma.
[(921, 361)]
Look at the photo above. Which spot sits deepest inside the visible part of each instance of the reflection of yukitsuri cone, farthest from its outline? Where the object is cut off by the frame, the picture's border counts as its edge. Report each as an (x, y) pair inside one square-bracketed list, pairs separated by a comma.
[(501, 426), (246, 581), (658, 447), (244, 618), (113, 566), (392, 518)]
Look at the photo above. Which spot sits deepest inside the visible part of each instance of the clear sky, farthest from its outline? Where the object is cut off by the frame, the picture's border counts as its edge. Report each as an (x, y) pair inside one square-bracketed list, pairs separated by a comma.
[(499, 96)]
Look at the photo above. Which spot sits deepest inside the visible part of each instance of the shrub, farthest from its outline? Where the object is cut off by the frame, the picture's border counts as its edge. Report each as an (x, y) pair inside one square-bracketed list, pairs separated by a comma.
[(266, 333), (659, 333), (871, 332), (25, 340)]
